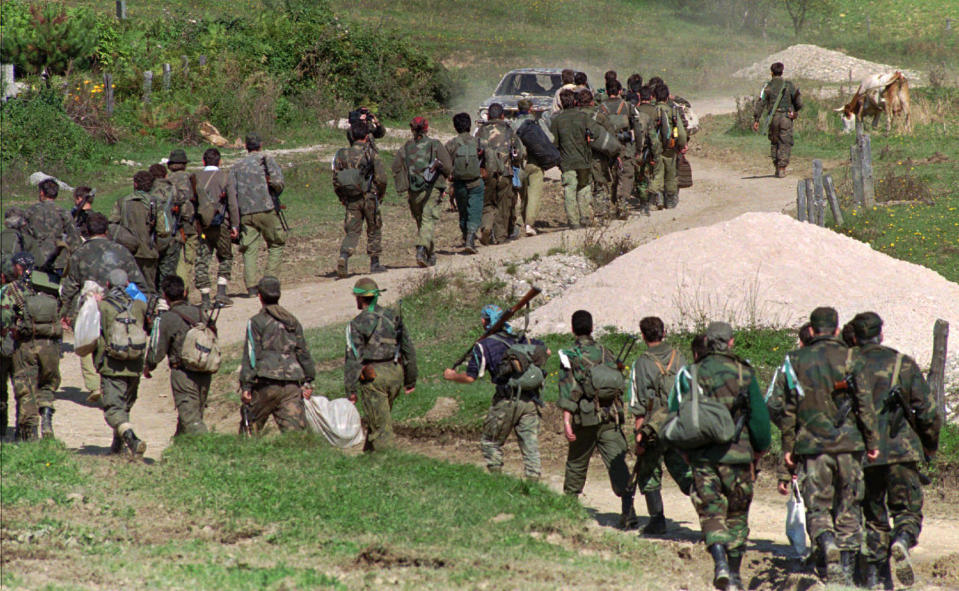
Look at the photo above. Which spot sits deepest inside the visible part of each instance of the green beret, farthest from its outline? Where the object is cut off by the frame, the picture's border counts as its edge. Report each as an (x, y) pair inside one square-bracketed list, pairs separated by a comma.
[(867, 325), (824, 318), (719, 332), (269, 286)]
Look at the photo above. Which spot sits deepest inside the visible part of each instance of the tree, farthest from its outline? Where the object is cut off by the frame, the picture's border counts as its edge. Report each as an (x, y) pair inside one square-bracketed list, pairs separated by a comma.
[(799, 10), (46, 37)]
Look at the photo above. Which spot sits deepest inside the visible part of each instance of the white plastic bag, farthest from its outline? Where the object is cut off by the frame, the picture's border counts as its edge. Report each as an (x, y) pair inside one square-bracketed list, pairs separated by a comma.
[(796, 522), (86, 330), (338, 420)]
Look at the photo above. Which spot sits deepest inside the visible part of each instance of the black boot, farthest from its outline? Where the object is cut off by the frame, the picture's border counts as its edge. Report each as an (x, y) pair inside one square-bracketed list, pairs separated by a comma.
[(205, 302), (341, 267), (627, 518), (721, 573), (902, 566), (29, 433), (471, 243), (137, 446), (672, 200), (870, 578), (885, 575), (222, 299), (375, 266), (847, 560), (117, 445), (830, 551), (657, 521), (422, 258), (46, 422), (735, 578)]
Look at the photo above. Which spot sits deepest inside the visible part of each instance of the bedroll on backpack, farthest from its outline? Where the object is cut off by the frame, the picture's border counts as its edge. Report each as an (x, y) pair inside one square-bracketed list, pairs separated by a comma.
[(466, 162), (701, 421), (604, 382), (539, 149), (200, 351), (126, 340), (602, 142)]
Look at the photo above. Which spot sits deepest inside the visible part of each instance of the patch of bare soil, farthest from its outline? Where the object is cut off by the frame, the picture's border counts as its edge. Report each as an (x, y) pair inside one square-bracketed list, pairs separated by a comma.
[(443, 408), (377, 557)]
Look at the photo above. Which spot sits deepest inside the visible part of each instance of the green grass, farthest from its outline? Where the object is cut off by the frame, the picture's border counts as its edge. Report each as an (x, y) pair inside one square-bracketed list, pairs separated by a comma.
[(37, 472)]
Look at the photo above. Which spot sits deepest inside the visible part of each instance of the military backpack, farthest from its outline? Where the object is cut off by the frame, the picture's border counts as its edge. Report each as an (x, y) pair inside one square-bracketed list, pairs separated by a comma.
[(701, 420), (208, 201), (39, 313), (667, 375), (523, 363), (200, 350), (539, 148), (618, 119), (466, 160), (604, 383), (500, 148), (672, 132), (600, 140), (418, 164), (125, 339), (349, 181)]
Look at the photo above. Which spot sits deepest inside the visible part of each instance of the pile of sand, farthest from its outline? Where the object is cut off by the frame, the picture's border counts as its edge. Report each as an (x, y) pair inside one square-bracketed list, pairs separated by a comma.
[(760, 269), (812, 62)]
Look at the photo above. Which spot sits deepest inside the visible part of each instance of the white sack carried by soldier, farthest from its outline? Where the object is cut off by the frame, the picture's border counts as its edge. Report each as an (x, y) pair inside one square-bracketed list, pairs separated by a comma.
[(338, 420)]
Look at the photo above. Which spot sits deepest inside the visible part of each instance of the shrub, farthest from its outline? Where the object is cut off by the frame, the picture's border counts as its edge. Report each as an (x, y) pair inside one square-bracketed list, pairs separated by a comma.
[(46, 36)]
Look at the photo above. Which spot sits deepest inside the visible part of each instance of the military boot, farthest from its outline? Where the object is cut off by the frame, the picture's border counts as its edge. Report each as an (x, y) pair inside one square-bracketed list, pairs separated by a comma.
[(627, 518), (27, 433), (721, 570), (644, 206), (514, 235), (422, 258), (847, 560), (657, 198), (222, 300), (672, 200), (829, 549), (137, 446), (870, 577), (657, 521), (471, 243), (95, 396), (46, 422), (899, 550), (205, 302), (431, 259), (342, 271), (735, 578), (375, 266), (117, 445)]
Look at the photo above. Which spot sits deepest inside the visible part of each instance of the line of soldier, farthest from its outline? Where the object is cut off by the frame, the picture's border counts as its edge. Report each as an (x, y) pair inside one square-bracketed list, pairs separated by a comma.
[(856, 419)]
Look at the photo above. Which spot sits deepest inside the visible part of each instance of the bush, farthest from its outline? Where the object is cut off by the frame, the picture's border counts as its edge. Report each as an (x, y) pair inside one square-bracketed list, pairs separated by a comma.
[(46, 36)]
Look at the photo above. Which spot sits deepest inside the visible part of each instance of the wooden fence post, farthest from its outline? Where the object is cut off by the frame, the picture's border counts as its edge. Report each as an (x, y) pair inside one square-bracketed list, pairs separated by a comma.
[(147, 85), (937, 370), (185, 66), (855, 166), (833, 199), (818, 191), (166, 77), (810, 202), (868, 182), (122, 10), (108, 93), (801, 200), (202, 60)]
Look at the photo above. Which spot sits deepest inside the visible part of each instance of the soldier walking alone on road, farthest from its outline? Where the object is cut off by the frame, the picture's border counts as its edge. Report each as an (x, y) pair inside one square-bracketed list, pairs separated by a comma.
[(781, 100), (359, 180)]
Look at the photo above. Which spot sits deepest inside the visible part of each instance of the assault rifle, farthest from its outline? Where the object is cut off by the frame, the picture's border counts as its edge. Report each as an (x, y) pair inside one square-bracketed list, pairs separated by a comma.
[(246, 419), (398, 352), (624, 352), (275, 196), (369, 175), (498, 325), (847, 385), (897, 398)]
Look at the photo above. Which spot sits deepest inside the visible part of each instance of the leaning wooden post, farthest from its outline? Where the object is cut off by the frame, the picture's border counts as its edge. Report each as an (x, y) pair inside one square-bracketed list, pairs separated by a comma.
[(810, 202), (855, 166), (122, 10), (166, 77), (937, 370), (833, 199), (868, 182), (801, 200), (185, 66), (202, 60), (108, 93), (147, 85), (818, 191)]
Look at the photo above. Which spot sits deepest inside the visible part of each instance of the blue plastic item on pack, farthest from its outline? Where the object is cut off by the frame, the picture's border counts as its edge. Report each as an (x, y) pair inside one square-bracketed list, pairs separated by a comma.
[(134, 292), (517, 183)]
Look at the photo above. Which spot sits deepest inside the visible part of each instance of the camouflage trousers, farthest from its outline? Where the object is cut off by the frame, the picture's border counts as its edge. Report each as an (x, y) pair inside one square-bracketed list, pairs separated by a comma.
[(281, 400), (780, 139), (509, 415), (649, 469), (622, 175), (169, 261), (119, 396), (601, 176), (6, 373), (36, 376), (377, 399), (721, 495), (357, 212), (499, 202), (609, 438), (531, 194), (892, 490), (185, 266), (832, 488), (577, 196), (426, 207), (261, 227), (469, 205), (190, 390), (215, 240), (664, 178)]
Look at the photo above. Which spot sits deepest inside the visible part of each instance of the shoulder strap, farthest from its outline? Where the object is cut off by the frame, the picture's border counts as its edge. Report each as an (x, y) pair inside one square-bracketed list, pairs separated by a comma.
[(896, 370), (189, 322), (619, 109), (672, 358)]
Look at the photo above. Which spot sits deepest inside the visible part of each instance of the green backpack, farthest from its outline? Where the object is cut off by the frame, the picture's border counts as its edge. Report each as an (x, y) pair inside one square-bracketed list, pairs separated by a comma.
[(523, 362), (466, 162), (618, 120), (418, 164), (701, 421), (125, 339), (348, 182), (604, 381), (40, 310)]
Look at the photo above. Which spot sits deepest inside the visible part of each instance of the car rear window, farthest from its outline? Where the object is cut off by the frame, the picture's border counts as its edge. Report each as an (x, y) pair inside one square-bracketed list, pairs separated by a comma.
[(533, 84)]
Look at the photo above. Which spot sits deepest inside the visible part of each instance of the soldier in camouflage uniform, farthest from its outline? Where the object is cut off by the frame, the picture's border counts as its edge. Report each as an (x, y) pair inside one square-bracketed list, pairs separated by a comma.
[(513, 409), (138, 213), (11, 238), (780, 98), (380, 363), (217, 188), (7, 276), (93, 261), (648, 158), (600, 166), (723, 475), (650, 381), (503, 152), (908, 432), (827, 421), (671, 128), (420, 169), (184, 210), (257, 177), (589, 422), (277, 370), (568, 128), (467, 191), (625, 122), (361, 207), (47, 227), (119, 378), (190, 388), (82, 206)]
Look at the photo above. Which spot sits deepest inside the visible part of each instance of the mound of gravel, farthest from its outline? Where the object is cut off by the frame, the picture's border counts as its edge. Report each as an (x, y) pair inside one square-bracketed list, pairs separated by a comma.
[(553, 274), (816, 63), (761, 269)]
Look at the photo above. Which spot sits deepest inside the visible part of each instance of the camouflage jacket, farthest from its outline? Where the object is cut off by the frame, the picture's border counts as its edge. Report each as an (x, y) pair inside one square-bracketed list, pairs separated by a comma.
[(138, 213), (568, 128), (722, 376), (45, 225), (184, 201), (898, 441), (573, 370), (373, 336), (106, 365), (416, 156), (651, 378), (169, 328), (356, 156), (502, 144), (811, 415), (15, 314), (93, 261), (768, 96), (218, 185), (275, 349), (249, 177)]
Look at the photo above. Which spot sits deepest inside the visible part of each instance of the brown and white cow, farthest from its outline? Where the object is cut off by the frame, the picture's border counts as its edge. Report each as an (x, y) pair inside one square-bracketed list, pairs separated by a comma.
[(878, 94)]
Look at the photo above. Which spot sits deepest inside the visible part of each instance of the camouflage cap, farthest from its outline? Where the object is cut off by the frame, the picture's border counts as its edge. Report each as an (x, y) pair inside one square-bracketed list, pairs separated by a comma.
[(118, 278), (719, 332), (177, 156), (524, 104), (867, 325), (366, 287), (269, 286), (23, 258), (824, 318)]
